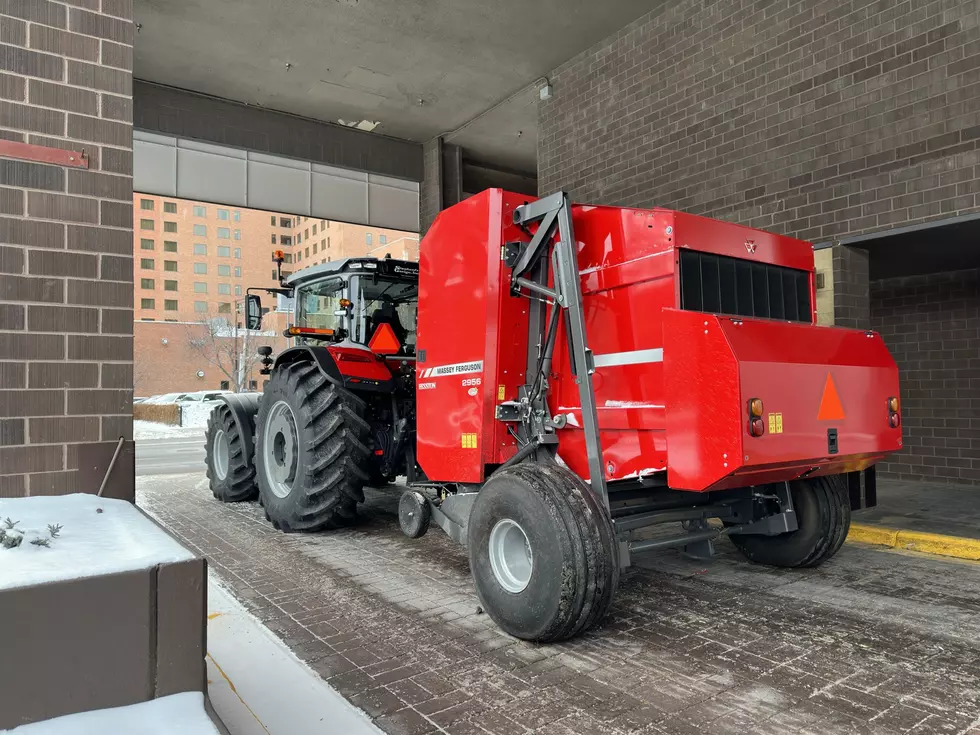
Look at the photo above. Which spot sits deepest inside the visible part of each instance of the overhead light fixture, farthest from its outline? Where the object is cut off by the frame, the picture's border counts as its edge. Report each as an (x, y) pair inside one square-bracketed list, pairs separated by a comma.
[(545, 92)]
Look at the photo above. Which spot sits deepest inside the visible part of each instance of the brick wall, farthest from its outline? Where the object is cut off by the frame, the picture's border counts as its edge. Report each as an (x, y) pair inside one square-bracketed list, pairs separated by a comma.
[(932, 327), (816, 119), (66, 268)]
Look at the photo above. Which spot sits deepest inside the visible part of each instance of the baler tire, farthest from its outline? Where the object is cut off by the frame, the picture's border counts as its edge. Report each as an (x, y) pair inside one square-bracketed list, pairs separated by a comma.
[(331, 452), (823, 512), (235, 482), (574, 569)]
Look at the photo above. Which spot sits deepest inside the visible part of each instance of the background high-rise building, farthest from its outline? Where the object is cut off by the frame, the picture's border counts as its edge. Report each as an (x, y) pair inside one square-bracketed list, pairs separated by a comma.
[(194, 263)]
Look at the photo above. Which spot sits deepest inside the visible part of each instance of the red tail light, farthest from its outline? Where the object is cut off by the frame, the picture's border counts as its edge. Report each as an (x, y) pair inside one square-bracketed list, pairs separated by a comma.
[(757, 427), (894, 420)]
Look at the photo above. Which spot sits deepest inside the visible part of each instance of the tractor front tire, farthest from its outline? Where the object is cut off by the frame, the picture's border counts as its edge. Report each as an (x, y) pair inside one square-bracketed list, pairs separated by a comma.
[(231, 476), (311, 454), (823, 513), (542, 553)]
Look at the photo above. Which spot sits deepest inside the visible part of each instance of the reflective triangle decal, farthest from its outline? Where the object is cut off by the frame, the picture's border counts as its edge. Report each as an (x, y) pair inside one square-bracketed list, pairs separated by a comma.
[(830, 405), (384, 341)]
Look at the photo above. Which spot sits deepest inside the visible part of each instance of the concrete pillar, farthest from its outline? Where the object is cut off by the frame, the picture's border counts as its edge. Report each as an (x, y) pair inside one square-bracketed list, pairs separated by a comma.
[(442, 185), (852, 294), (66, 247)]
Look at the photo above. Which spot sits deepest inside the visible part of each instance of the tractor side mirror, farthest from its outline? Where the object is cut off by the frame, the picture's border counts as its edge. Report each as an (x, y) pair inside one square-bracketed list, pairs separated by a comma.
[(253, 312)]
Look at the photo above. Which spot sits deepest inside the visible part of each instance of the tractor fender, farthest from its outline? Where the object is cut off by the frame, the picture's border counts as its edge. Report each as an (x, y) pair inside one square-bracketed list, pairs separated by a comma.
[(344, 366), (244, 407)]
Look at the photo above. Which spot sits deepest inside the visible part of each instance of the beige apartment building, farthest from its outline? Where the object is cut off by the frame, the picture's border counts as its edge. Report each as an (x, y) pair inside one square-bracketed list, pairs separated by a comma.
[(194, 262)]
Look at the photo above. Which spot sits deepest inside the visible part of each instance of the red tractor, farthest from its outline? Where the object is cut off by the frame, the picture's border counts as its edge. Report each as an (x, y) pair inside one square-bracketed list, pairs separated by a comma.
[(577, 376)]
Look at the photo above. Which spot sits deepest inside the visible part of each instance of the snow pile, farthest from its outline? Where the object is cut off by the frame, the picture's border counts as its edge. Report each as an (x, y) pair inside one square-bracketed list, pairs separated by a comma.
[(156, 430), (178, 713), (196, 414), (97, 536)]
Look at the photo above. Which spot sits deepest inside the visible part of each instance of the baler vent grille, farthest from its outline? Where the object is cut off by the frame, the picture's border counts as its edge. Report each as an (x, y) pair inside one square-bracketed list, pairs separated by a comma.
[(721, 285)]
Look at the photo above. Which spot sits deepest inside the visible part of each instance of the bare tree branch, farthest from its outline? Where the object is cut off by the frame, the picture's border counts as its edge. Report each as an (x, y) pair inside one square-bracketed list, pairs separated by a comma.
[(221, 343)]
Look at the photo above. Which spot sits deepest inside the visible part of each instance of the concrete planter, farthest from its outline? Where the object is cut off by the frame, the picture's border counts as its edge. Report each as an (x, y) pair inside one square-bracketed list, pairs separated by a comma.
[(105, 639)]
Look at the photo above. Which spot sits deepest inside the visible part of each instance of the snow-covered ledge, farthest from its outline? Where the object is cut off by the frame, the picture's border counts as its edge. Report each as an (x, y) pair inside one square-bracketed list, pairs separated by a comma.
[(99, 607)]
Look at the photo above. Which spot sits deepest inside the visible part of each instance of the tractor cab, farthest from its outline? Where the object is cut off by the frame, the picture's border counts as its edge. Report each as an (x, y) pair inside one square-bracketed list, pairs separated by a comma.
[(362, 301)]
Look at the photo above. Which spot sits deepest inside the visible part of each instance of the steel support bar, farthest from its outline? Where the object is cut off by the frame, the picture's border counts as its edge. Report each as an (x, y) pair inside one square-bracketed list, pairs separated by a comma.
[(643, 520), (673, 542), (536, 288)]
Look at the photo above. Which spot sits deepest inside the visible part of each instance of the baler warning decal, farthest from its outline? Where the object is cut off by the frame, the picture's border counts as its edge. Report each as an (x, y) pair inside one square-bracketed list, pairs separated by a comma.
[(831, 408), (469, 441), (775, 423), (459, 368)]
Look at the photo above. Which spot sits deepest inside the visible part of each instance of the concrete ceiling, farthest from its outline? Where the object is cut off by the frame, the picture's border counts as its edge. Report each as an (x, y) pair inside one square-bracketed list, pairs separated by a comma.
[(419, 67)]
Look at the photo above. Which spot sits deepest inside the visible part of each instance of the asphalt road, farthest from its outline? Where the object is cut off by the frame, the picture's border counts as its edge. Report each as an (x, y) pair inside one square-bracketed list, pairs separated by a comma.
[(170, 455)]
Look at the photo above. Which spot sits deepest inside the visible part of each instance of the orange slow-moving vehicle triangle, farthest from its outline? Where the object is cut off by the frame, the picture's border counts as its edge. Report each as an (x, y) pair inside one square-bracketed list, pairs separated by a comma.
[(384, 341), (830, 405)]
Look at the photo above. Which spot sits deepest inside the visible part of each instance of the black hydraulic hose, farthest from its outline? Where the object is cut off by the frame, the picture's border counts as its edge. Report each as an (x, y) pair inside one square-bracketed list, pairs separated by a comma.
[(522, 454)]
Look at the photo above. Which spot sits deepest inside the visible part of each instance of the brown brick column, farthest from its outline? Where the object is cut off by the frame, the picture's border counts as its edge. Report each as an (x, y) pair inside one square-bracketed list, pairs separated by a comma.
[(852, 292), (66, 269)]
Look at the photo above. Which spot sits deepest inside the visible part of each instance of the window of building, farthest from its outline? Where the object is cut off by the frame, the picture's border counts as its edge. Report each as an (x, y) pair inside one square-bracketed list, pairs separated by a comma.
[(147, 283), (285, 240), (224, 270), (224, 251), (223, 214), (273, 221), (238, 253), (299, 256), (146, 264), (148, 303), (273, 239), (200, 306), (170, 304), (324, 224), (288, 258), (169, 226), (367, 237), (146, 224), (238, 271), (253, 385), (170, 207), (200, 249), (224, 308), (225, 385), (237, 234), (224, 233), (147, 318), (170, 265), (274, 276), (170, 246), (201, 269), (200, 287), (201, 230), (236, 215), (285, 222), (314, 229), (170, 320), (146, 244), (200, 211), (146, 204), (224, 288), (314, 248), (306, 233), (328, 242), (238, 290), (383, 239), (323, 245), (170, 285), (307, 252)]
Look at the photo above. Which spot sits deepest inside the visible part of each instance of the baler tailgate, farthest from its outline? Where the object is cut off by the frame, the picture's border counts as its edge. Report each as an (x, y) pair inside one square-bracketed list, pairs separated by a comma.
[(824, 393)]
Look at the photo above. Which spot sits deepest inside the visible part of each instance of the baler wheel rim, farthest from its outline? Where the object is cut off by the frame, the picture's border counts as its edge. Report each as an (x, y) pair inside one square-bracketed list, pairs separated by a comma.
[(511, 557)]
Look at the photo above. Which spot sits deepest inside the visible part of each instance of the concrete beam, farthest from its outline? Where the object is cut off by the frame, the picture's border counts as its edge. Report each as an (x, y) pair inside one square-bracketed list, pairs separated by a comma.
[(182, 114)]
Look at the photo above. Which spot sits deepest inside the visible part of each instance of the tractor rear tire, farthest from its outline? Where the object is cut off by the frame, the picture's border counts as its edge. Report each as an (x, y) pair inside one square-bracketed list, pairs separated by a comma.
[(823, 512), (542, 553), (231, 476), (311, 454)]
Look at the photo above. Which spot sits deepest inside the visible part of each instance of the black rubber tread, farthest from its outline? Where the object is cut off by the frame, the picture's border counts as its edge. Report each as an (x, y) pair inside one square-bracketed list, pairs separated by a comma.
[(412, 501), (240, 484), (823, 512), (333, 453), (578, 528)]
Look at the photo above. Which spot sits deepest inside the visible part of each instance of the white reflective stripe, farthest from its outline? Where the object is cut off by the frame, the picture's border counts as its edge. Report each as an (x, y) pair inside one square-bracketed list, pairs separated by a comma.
[(634, 357)]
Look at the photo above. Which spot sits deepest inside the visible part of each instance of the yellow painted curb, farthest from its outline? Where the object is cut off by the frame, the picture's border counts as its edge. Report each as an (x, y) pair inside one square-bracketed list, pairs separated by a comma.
[(925, 543)]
